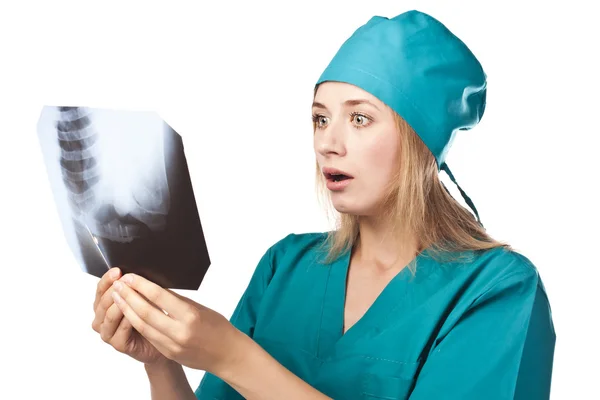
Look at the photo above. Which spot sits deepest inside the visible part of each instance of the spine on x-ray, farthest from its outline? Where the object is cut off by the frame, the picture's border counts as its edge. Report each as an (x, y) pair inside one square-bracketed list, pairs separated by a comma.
[(79, 157), (79, 163)]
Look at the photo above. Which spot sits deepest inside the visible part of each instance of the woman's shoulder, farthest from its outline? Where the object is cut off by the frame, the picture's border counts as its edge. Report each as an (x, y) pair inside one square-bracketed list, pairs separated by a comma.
[(506, 262), (294, 248), (489, 283), (498, 267), (294, 239), (297, 242)]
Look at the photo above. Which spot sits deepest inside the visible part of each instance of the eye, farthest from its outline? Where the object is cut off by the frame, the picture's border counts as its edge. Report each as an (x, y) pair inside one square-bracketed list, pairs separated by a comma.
[(319, 120), (361, 120)]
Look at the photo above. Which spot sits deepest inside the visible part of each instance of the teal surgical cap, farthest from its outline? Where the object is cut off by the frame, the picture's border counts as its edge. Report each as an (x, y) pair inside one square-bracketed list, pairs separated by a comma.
[(422, 71)]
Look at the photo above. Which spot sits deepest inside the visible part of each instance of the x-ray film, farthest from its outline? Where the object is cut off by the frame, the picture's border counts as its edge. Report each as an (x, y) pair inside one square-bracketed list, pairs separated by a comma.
[(123, 192)]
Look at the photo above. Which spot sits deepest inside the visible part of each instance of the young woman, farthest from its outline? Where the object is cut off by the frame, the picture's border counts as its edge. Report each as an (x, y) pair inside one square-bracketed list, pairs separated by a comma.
[(408, 298)]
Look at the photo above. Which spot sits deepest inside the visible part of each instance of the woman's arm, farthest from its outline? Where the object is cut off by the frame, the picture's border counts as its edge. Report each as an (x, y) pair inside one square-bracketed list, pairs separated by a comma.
[(168, 382), (254, 375), (257, 375)]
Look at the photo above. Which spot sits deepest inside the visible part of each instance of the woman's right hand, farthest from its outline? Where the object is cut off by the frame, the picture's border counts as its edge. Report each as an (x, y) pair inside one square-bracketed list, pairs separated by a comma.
[(116, 330)]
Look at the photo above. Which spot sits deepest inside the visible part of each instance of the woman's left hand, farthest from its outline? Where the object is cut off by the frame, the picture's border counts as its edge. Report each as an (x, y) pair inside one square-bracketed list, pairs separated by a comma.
[(191, 334)]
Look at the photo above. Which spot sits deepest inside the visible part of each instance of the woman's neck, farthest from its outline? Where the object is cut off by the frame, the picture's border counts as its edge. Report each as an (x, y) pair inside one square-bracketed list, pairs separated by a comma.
[(377, 246)]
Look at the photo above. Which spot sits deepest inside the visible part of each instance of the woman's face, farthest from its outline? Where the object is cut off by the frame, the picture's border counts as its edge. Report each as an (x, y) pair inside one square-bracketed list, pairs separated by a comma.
[(355, 133)]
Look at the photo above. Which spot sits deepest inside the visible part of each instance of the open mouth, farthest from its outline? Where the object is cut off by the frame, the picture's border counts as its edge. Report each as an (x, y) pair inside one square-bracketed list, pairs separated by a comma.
[(337, 177)]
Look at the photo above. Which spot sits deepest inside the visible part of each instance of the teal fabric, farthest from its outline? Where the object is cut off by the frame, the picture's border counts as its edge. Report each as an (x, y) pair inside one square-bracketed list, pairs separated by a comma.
[(422, 71), (475, 329)]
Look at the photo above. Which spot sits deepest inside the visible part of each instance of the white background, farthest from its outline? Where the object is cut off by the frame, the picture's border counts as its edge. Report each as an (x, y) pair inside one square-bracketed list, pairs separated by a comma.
[(235, 80)]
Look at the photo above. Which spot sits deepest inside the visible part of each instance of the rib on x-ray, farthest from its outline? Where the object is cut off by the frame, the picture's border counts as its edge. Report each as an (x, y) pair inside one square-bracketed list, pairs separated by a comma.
[(112, 202), (123, 192)]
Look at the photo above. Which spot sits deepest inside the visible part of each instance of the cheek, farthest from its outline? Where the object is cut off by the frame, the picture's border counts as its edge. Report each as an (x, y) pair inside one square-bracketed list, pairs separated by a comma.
[(381, 157)]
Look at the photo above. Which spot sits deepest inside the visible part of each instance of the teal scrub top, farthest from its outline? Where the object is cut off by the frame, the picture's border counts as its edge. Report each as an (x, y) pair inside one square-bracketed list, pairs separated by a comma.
[(480, 329)]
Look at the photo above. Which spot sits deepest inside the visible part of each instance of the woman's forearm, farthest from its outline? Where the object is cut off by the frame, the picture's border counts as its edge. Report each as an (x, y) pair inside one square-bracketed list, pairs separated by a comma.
[(258, 376), (168, 382)]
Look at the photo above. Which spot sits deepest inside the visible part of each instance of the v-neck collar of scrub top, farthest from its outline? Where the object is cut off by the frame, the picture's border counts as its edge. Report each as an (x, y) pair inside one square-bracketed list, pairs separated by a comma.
[(395, 295)]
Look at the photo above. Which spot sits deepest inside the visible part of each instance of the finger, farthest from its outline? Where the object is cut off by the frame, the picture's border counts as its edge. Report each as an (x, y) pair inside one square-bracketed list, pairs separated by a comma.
[(147, 312), (101, 309), (164, 299), (122, 334), (111, 322), (175, 294), (161, 341), (103, 305), (105, 282), (186, 299)]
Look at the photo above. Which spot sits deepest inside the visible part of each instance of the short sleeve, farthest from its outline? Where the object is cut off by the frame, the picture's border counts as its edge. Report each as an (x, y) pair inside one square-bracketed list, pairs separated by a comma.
[(502, 347), (244, 318)]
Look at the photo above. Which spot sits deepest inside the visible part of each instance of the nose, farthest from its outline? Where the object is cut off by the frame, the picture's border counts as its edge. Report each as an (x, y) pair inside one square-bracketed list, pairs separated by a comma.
[(330, 140)]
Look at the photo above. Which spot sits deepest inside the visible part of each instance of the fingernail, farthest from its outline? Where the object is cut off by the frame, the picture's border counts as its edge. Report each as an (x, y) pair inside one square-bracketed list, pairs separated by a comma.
[(128, 279), (118, 285), (114, 273)]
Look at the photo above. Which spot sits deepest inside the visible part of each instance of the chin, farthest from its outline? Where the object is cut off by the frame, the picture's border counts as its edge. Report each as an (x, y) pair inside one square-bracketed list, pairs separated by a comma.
[(365, 208), (350, 209)]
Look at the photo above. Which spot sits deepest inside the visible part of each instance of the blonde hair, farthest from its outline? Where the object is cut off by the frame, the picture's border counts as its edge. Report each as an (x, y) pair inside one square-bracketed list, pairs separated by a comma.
[(418, 203)]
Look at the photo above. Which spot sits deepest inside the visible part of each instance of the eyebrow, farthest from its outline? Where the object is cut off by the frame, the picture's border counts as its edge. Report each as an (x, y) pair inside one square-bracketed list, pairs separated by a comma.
[(347, 103)]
